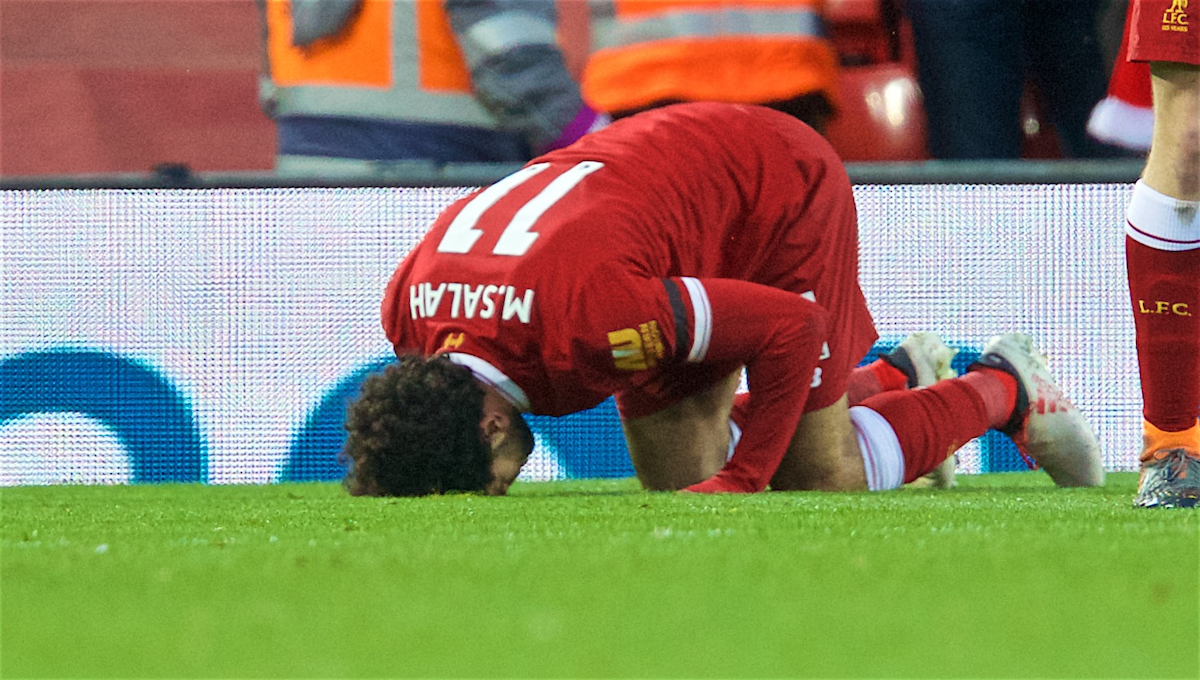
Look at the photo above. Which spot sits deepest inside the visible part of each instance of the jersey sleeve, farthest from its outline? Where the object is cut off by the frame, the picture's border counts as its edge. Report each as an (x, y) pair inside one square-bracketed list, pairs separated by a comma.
[(723, 324), (777, 336)]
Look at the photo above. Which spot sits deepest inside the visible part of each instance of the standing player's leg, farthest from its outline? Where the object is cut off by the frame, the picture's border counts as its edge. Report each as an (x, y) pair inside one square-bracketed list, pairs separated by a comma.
[(1163, 253), (1163, 264)]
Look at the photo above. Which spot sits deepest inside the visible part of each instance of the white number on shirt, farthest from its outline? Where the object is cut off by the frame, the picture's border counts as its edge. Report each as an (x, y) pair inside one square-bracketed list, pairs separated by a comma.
[(517, 237)]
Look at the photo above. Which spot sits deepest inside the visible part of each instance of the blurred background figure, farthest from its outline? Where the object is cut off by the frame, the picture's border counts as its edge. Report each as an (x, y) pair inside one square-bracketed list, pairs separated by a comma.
[(975, 57), (651, 53), (361, 87)]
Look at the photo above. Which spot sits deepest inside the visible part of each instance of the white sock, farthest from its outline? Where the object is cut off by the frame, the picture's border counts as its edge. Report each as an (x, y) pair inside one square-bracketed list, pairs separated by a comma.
[(1156, 220), (735, 436), (880, 448)]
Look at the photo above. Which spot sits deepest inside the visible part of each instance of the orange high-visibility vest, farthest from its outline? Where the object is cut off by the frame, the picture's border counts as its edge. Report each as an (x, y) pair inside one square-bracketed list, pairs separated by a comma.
[(745, 51), (393, 60)]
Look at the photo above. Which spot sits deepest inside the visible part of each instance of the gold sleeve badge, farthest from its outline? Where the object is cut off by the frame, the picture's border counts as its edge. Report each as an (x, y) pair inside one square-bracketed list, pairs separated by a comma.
[(637, 349)]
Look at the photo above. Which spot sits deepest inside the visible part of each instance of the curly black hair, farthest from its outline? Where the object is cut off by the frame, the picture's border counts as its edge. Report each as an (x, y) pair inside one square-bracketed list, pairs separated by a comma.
[(414, 430)]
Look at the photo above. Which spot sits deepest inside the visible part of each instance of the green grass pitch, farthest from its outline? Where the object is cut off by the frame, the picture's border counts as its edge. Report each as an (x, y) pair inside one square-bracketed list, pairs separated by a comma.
[(1003, 577)]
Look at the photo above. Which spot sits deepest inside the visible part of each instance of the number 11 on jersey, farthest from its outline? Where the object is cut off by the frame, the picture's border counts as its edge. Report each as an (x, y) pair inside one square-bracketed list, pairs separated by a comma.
[(518, 236)]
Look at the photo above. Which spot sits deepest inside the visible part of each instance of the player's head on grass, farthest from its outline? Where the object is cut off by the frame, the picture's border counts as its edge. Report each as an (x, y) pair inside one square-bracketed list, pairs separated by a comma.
[(426, 426)]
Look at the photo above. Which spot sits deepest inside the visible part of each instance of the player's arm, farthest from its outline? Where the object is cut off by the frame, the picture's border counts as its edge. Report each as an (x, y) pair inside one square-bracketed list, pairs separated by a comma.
[(778, 336)]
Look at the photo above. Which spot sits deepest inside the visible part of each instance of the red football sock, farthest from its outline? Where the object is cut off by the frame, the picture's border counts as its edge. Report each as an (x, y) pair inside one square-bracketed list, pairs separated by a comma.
[(1164, 288), (934, 422), (878, 376), (998, 390)]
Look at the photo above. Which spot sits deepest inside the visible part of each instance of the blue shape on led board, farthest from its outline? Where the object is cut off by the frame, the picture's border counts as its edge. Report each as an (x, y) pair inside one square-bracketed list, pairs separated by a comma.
[(589, 444), (150, 418), (315, 448)]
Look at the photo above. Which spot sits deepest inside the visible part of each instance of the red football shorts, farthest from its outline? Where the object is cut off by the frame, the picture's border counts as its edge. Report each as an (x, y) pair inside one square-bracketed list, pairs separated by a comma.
[(1165, 30)]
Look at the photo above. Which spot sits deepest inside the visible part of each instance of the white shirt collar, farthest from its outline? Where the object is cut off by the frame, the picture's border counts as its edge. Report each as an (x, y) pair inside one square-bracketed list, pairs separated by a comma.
[(493, 376)]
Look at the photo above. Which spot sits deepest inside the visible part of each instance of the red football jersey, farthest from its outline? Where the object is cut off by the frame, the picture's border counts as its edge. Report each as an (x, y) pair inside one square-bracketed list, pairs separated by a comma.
[(649, 260), (1164, 30)]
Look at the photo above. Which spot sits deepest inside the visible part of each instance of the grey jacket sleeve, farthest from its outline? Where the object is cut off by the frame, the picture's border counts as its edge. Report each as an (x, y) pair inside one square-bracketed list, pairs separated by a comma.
[(516, 66), (316, 19)]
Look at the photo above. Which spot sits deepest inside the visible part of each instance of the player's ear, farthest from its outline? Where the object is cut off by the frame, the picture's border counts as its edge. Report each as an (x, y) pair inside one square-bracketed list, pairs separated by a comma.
[(497, 416), (492, 424)]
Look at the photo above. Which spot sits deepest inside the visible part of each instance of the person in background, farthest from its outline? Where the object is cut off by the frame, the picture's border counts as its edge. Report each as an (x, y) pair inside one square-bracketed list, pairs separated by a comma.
[(649, 53), (1162, 248), (975, 56), (357, 87)]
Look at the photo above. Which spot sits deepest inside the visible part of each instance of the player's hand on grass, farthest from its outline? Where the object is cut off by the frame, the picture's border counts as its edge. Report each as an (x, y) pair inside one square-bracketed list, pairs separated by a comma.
[(718, 483)]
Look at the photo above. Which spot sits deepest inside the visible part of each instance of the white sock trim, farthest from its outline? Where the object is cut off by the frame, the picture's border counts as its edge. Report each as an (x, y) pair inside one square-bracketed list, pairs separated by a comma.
[(1161, 222), (735, 436), (880, 448)]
